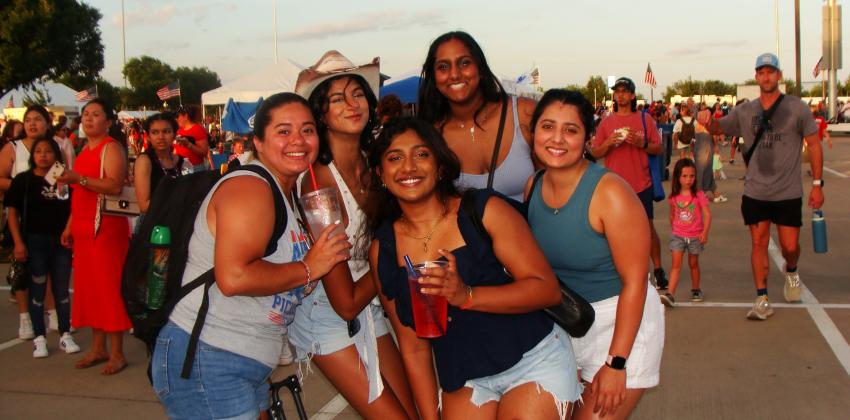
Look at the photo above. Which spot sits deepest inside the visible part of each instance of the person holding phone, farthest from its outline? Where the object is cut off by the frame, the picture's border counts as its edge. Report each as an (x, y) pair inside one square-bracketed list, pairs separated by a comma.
[(192, 140)]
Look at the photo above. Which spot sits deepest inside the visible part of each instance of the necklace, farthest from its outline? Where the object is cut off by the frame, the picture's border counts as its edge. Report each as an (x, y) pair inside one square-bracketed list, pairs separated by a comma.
[(356, 179), (427, 238)]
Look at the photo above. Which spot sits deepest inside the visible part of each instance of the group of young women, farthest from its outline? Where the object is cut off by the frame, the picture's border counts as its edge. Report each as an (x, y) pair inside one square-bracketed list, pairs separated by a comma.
[(401, 194)]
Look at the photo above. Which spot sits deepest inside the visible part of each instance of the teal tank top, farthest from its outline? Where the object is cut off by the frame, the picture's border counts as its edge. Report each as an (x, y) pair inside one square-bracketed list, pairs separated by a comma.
[(579, 255)]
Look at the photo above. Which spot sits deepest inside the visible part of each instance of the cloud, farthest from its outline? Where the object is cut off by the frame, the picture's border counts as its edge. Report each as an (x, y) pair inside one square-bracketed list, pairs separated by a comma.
[(147, 15), (705, 48), (388, 21)]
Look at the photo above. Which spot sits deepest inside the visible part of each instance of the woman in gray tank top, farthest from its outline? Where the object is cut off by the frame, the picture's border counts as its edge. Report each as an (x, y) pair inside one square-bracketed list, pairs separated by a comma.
[(462, 97), (584, 218)]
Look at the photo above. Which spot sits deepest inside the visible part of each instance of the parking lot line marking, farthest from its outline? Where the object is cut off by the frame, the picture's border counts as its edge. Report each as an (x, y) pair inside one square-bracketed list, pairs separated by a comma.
[(706, 304), (11, 343), (836, 173), (331, 409), (824, 323)]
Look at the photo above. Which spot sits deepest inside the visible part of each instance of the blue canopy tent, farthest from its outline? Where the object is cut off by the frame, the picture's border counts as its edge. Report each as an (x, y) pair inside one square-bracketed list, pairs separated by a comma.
[(239, 116), (407, 89)]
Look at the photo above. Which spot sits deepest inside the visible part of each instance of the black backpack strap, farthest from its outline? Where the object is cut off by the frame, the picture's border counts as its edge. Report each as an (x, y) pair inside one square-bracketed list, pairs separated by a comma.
[(766, 117), (279, 205), (207, 279)]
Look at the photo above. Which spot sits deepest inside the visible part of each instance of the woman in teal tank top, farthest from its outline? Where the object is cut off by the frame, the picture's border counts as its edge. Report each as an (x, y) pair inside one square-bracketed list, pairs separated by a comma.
[(590, 225)]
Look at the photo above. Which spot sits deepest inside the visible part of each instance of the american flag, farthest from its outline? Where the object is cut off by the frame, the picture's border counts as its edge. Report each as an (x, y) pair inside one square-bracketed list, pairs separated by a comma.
[(275, 317), (169, 91), (649, 78), (86, 94), (816, 71)]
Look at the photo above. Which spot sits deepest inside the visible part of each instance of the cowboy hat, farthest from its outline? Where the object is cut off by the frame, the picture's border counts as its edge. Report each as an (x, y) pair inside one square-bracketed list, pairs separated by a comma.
[(333, 64)]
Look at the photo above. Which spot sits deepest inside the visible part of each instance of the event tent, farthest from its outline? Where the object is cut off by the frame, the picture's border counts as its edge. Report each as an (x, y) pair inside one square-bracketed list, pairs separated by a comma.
[(260, 83), (60, 95)]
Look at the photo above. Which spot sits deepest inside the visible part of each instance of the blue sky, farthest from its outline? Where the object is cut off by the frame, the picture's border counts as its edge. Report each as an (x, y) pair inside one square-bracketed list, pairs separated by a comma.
[(569, 39)]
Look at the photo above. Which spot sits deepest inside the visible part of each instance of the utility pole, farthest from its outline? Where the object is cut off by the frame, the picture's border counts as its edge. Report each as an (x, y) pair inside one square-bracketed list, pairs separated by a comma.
[(832, 51), (274, 18), (123, 43), (799, 81)]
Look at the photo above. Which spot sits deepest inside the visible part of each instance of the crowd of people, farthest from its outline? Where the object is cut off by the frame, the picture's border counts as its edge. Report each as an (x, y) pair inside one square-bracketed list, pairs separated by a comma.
[(551, 214)]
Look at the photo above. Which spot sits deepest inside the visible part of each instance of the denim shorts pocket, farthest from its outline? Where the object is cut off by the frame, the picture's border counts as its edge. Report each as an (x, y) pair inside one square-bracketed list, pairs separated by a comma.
[(159, 367)]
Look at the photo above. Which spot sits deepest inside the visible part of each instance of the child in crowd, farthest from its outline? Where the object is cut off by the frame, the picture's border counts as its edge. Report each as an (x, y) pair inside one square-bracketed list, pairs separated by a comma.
[(717, 165), (690, 219)]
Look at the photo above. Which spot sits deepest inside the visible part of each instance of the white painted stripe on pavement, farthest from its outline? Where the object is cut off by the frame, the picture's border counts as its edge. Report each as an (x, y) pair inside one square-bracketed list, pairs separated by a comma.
[(827, 328), (775, 305), (11, 343), (836, 173), (331, 409)]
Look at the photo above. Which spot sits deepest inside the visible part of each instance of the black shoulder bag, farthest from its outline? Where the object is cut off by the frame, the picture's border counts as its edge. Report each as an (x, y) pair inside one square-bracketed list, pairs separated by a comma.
[(575, 315), (766, 118), (19, 277)]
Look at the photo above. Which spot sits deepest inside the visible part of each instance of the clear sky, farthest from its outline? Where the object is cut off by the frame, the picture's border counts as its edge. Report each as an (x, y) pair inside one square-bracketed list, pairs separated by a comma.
[(569, 40)]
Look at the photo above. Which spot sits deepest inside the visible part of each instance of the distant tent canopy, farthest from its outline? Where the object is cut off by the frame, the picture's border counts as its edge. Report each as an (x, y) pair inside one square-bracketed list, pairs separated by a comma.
[(239, 116), (262, 83), (406, 89)]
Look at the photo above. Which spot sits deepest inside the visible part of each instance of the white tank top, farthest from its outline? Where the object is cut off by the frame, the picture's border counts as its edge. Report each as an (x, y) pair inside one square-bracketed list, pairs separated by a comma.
[(356, 217), (22, 158)]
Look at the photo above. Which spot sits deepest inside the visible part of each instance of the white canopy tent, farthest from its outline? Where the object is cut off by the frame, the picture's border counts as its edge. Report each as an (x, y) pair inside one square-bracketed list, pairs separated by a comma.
[(263, 83), (60, 95)]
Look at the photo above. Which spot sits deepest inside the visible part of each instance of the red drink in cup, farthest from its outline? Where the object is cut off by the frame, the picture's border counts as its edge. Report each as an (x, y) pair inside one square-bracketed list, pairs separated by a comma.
[(429, 311)]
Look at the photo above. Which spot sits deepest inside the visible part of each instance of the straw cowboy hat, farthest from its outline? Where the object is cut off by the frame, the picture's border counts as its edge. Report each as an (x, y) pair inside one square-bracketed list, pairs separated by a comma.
[(333, 64)]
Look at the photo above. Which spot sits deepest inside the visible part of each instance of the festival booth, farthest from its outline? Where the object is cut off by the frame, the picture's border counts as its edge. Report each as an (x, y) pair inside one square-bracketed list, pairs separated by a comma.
[(405, 86), (261, 83), (61, 100)]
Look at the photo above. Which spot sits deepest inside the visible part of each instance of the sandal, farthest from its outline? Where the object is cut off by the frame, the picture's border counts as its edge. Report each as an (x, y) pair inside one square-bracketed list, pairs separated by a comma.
[(90, 360), (111, 368)]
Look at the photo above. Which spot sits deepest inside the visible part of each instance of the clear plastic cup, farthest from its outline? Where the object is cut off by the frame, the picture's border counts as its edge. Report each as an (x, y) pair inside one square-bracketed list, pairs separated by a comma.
[(322, 210), (429, 311)]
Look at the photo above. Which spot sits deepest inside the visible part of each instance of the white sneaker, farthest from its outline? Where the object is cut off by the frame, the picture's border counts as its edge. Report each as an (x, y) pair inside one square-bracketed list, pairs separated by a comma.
[(67, 343), (25, 331), (793, 287), (52, 320), (40, 345), (761, 309), (720, 198), (286, 356)]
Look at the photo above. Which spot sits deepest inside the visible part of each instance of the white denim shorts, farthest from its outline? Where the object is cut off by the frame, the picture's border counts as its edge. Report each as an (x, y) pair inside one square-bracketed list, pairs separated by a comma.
[(644, 362)]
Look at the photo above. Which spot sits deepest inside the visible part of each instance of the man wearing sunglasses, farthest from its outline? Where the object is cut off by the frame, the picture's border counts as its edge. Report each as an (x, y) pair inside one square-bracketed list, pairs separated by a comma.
[(774, 127)]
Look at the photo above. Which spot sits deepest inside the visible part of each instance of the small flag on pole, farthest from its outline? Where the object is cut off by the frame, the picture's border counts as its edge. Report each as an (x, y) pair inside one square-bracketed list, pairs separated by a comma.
[(11, 103), (816, 71), (86, 95), (649, 78), (169, 91)]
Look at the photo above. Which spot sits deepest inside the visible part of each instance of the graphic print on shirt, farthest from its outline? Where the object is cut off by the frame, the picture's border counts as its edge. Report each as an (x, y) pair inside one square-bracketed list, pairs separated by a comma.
[(283, 307), (48, 192), (686, 212)]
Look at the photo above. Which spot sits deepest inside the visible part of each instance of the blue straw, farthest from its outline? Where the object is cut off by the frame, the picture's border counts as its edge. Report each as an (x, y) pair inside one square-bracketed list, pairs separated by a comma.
[(409, 265)]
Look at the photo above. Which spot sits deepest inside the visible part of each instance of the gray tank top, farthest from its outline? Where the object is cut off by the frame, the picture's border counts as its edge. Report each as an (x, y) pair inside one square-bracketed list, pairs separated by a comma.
[(512, 174)]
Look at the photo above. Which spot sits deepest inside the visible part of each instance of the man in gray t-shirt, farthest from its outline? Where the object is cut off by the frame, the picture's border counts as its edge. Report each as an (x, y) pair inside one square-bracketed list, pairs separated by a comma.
[(773, 192)]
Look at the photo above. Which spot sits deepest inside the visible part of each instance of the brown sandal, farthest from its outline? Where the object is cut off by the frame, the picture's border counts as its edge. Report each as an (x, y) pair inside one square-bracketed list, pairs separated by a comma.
[(90, 360), (111, 368)]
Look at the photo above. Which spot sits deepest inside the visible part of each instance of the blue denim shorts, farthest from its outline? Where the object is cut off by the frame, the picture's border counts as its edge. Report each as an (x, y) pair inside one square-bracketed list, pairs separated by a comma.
[(550, 364), (222, 385)]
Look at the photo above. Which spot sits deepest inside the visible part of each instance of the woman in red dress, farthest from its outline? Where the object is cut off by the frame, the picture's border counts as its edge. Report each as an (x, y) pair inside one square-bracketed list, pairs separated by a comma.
[(99, 243)]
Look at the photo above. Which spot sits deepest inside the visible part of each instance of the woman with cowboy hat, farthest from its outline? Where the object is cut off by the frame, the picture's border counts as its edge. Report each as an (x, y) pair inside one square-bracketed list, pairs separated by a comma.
[(341, 325)]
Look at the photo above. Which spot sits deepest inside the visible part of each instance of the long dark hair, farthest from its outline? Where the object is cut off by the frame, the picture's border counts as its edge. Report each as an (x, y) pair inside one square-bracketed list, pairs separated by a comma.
[(382, 204), (53, 146), (319, 103), (44, 114), (433, 106), (568, 97), (675, 185)]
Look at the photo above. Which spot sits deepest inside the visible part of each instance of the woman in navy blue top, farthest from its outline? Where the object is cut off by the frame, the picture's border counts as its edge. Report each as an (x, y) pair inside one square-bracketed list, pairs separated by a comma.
[(499, 350)]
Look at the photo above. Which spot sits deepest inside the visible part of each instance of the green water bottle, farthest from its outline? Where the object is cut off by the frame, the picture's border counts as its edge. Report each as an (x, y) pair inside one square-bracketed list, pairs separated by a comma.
[(158, 266)]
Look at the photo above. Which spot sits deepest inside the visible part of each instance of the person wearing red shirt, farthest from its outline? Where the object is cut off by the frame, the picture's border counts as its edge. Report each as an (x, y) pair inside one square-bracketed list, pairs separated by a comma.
[(192, 140), (620, 140)]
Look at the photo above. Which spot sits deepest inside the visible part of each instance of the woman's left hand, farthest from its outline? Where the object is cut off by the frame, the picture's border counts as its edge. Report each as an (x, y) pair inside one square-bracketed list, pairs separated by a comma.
[(444, 282), (69, 177), (609, 390)]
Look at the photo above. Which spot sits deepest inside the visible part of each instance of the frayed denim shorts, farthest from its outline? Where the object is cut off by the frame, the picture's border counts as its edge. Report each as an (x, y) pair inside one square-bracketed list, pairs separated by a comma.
[(550, 364), (222, 385)]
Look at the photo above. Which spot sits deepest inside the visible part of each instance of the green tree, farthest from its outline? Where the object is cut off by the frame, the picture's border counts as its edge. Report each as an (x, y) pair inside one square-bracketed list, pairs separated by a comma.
[(146, 75), (37, 96), (40, 38), (594, 84), (195, 81)]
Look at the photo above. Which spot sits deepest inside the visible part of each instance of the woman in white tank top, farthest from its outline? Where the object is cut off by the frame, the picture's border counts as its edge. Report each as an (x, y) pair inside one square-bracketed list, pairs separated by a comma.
[(338, 327), (14, 159)]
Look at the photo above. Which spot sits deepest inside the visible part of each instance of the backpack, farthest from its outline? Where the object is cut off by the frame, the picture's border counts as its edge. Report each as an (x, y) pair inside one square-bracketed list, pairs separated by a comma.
[(688, 131), (175, 204)]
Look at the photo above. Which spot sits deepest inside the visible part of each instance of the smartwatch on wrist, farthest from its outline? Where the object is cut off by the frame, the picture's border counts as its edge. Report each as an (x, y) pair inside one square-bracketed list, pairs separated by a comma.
[(616, 362), (817, 182)]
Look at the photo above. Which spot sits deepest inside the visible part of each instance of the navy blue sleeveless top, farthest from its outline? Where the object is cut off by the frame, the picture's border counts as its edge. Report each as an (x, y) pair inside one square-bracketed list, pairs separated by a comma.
[(476, 344)]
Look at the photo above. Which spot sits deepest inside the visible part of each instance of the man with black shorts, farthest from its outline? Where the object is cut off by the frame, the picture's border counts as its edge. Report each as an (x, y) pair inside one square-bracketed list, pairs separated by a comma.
[(625, 139), (773, 191)]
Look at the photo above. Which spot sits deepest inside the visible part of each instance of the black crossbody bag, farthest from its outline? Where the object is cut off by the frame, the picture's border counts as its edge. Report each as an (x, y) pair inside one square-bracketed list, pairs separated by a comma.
[(766, 118)]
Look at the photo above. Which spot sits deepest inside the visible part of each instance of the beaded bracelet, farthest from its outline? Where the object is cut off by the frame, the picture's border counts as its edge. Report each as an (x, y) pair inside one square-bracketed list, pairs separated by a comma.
[(307, 269), (468, 304)]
